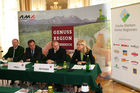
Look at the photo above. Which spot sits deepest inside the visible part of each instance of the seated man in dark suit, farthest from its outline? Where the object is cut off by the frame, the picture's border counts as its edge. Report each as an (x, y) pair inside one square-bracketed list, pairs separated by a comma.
[(56, 53), (15, 53), (33, 53)]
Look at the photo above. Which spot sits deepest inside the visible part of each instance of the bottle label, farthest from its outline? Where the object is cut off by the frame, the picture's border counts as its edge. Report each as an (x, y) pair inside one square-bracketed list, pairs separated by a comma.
[(64, 65)]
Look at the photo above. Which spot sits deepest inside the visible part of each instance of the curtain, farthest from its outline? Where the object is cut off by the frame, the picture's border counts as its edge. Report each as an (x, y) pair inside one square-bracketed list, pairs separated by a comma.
[(35, 5), (32, 5), (25, 5)]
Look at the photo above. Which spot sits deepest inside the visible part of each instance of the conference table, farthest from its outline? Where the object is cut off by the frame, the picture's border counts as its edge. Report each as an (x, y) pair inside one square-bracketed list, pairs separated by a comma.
[(8, 89), (13, 90), (61, 76)]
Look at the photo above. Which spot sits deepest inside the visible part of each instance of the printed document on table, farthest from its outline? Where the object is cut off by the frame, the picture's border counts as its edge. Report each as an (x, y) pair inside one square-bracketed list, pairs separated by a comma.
[(77, 67), (83, 67)]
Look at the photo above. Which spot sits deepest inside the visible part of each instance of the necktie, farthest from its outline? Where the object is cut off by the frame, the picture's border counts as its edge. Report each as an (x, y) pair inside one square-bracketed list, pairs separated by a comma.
[(14, 53), (32, 52)]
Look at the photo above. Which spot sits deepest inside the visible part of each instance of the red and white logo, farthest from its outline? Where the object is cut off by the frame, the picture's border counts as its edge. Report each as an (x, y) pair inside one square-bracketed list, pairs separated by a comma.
[(134, 54), (22, 64), (134, 62), (50, 66), (124, 45), (116, 44)]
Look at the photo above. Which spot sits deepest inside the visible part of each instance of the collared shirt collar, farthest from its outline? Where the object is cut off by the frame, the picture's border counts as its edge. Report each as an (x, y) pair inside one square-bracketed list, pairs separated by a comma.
[(15, 47)]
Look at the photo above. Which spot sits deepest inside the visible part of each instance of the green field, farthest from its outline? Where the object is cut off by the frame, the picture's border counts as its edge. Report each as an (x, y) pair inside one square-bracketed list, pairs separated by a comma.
[(41, 38)]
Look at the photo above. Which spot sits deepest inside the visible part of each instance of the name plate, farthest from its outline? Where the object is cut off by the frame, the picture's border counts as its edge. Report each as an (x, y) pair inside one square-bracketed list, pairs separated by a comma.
[(16, 66), (44, 67)]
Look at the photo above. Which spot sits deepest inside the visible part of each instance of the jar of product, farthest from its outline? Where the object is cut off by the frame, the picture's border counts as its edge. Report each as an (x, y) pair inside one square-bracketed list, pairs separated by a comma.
[(50, 89)]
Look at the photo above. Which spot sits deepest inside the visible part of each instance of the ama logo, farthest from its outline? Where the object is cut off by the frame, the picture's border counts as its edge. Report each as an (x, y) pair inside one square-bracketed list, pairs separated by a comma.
[(124, 15), (27, 17)]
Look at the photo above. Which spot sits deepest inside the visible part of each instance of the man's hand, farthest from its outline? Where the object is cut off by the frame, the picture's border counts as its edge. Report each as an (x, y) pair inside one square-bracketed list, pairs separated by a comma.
[(3, 58), (9, 59), (50, 61), (28, 60), (21, 61)]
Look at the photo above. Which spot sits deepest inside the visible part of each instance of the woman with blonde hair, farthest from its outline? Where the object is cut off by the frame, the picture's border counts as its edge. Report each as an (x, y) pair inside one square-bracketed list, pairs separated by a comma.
[(80, 56), (81, 53)]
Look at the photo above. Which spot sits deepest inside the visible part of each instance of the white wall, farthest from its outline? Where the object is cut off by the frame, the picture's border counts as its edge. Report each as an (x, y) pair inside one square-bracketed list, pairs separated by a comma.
[(114, 3), (9, 23)]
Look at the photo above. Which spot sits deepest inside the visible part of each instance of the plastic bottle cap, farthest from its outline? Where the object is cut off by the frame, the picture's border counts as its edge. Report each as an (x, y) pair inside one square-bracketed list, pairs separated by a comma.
[(85, 88), (50, 87)]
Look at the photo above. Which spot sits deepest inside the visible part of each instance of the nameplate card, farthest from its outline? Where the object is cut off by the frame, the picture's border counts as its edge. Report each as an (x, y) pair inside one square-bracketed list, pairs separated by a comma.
[(17, 66), (44, 67)]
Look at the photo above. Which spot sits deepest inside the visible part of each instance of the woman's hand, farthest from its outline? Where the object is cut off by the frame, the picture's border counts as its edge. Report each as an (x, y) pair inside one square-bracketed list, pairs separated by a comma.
[(81, 62)]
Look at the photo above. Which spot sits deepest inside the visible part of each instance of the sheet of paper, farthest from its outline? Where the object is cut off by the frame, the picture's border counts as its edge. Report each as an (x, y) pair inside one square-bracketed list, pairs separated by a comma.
[(91, 67), (22, 91), (77, 67), (4, 61), (27, 63), (83, 67)]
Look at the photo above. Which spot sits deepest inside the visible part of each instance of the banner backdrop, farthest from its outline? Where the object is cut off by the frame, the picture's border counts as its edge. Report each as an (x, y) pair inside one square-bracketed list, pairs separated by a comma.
[(126, 45), (91, 24)]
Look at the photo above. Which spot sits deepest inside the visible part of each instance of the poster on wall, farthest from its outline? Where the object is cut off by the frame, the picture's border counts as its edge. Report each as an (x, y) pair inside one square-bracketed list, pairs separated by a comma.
[(126, 45), (91, 24)]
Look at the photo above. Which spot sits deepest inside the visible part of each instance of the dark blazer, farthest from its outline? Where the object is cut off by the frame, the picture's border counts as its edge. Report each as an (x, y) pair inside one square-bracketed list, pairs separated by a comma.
[(59, 56), (76, 57), (37, 54), (19, 53)]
